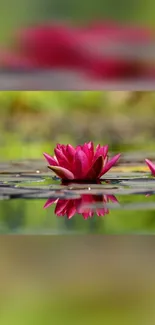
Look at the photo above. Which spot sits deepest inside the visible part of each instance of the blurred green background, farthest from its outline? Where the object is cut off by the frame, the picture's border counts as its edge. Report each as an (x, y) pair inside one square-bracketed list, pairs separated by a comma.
[(34, 121), (24, 12)]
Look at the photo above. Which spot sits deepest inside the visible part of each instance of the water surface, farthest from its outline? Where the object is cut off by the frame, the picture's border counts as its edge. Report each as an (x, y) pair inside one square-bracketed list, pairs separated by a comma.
[(123, 202)]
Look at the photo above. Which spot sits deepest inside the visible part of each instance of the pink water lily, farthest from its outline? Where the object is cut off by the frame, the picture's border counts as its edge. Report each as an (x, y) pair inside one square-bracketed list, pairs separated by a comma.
[(69, 207), (151, 166), (82, 162)]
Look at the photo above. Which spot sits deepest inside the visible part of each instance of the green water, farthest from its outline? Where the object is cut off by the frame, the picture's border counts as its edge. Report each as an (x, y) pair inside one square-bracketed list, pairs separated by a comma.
[(24, 192)]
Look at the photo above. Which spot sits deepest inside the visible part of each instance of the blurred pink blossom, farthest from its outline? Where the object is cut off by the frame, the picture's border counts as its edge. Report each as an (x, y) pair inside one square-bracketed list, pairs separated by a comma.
[(101, 50)]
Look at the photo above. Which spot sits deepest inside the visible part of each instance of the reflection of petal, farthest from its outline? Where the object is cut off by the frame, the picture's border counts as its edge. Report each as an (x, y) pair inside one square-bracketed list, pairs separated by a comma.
[(112, 198), (88, 214), (101, 212), (50, 202), (85, 205), (61, 207), (71, 210)]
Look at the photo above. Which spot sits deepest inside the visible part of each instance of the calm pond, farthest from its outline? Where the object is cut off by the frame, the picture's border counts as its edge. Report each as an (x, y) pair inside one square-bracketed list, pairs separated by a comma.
[(123, 202)]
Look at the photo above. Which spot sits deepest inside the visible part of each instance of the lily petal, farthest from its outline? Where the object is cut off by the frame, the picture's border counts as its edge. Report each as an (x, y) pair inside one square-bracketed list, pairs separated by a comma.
[(105, 150), (51, 161), (98, 147), (62, 172), (110, 163), (151, 166), (81, 164), (62, 159), (96, 169), (89, 149), (70, 152), (101, 151)]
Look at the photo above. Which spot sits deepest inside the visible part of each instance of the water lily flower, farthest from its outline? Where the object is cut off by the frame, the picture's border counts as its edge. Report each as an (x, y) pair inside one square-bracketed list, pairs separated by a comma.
[(69, 207), (151, 166), (81, 162)]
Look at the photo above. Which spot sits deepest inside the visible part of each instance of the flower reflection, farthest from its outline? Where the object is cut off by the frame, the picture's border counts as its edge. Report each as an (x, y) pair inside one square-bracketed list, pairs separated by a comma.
[(85, 205)]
